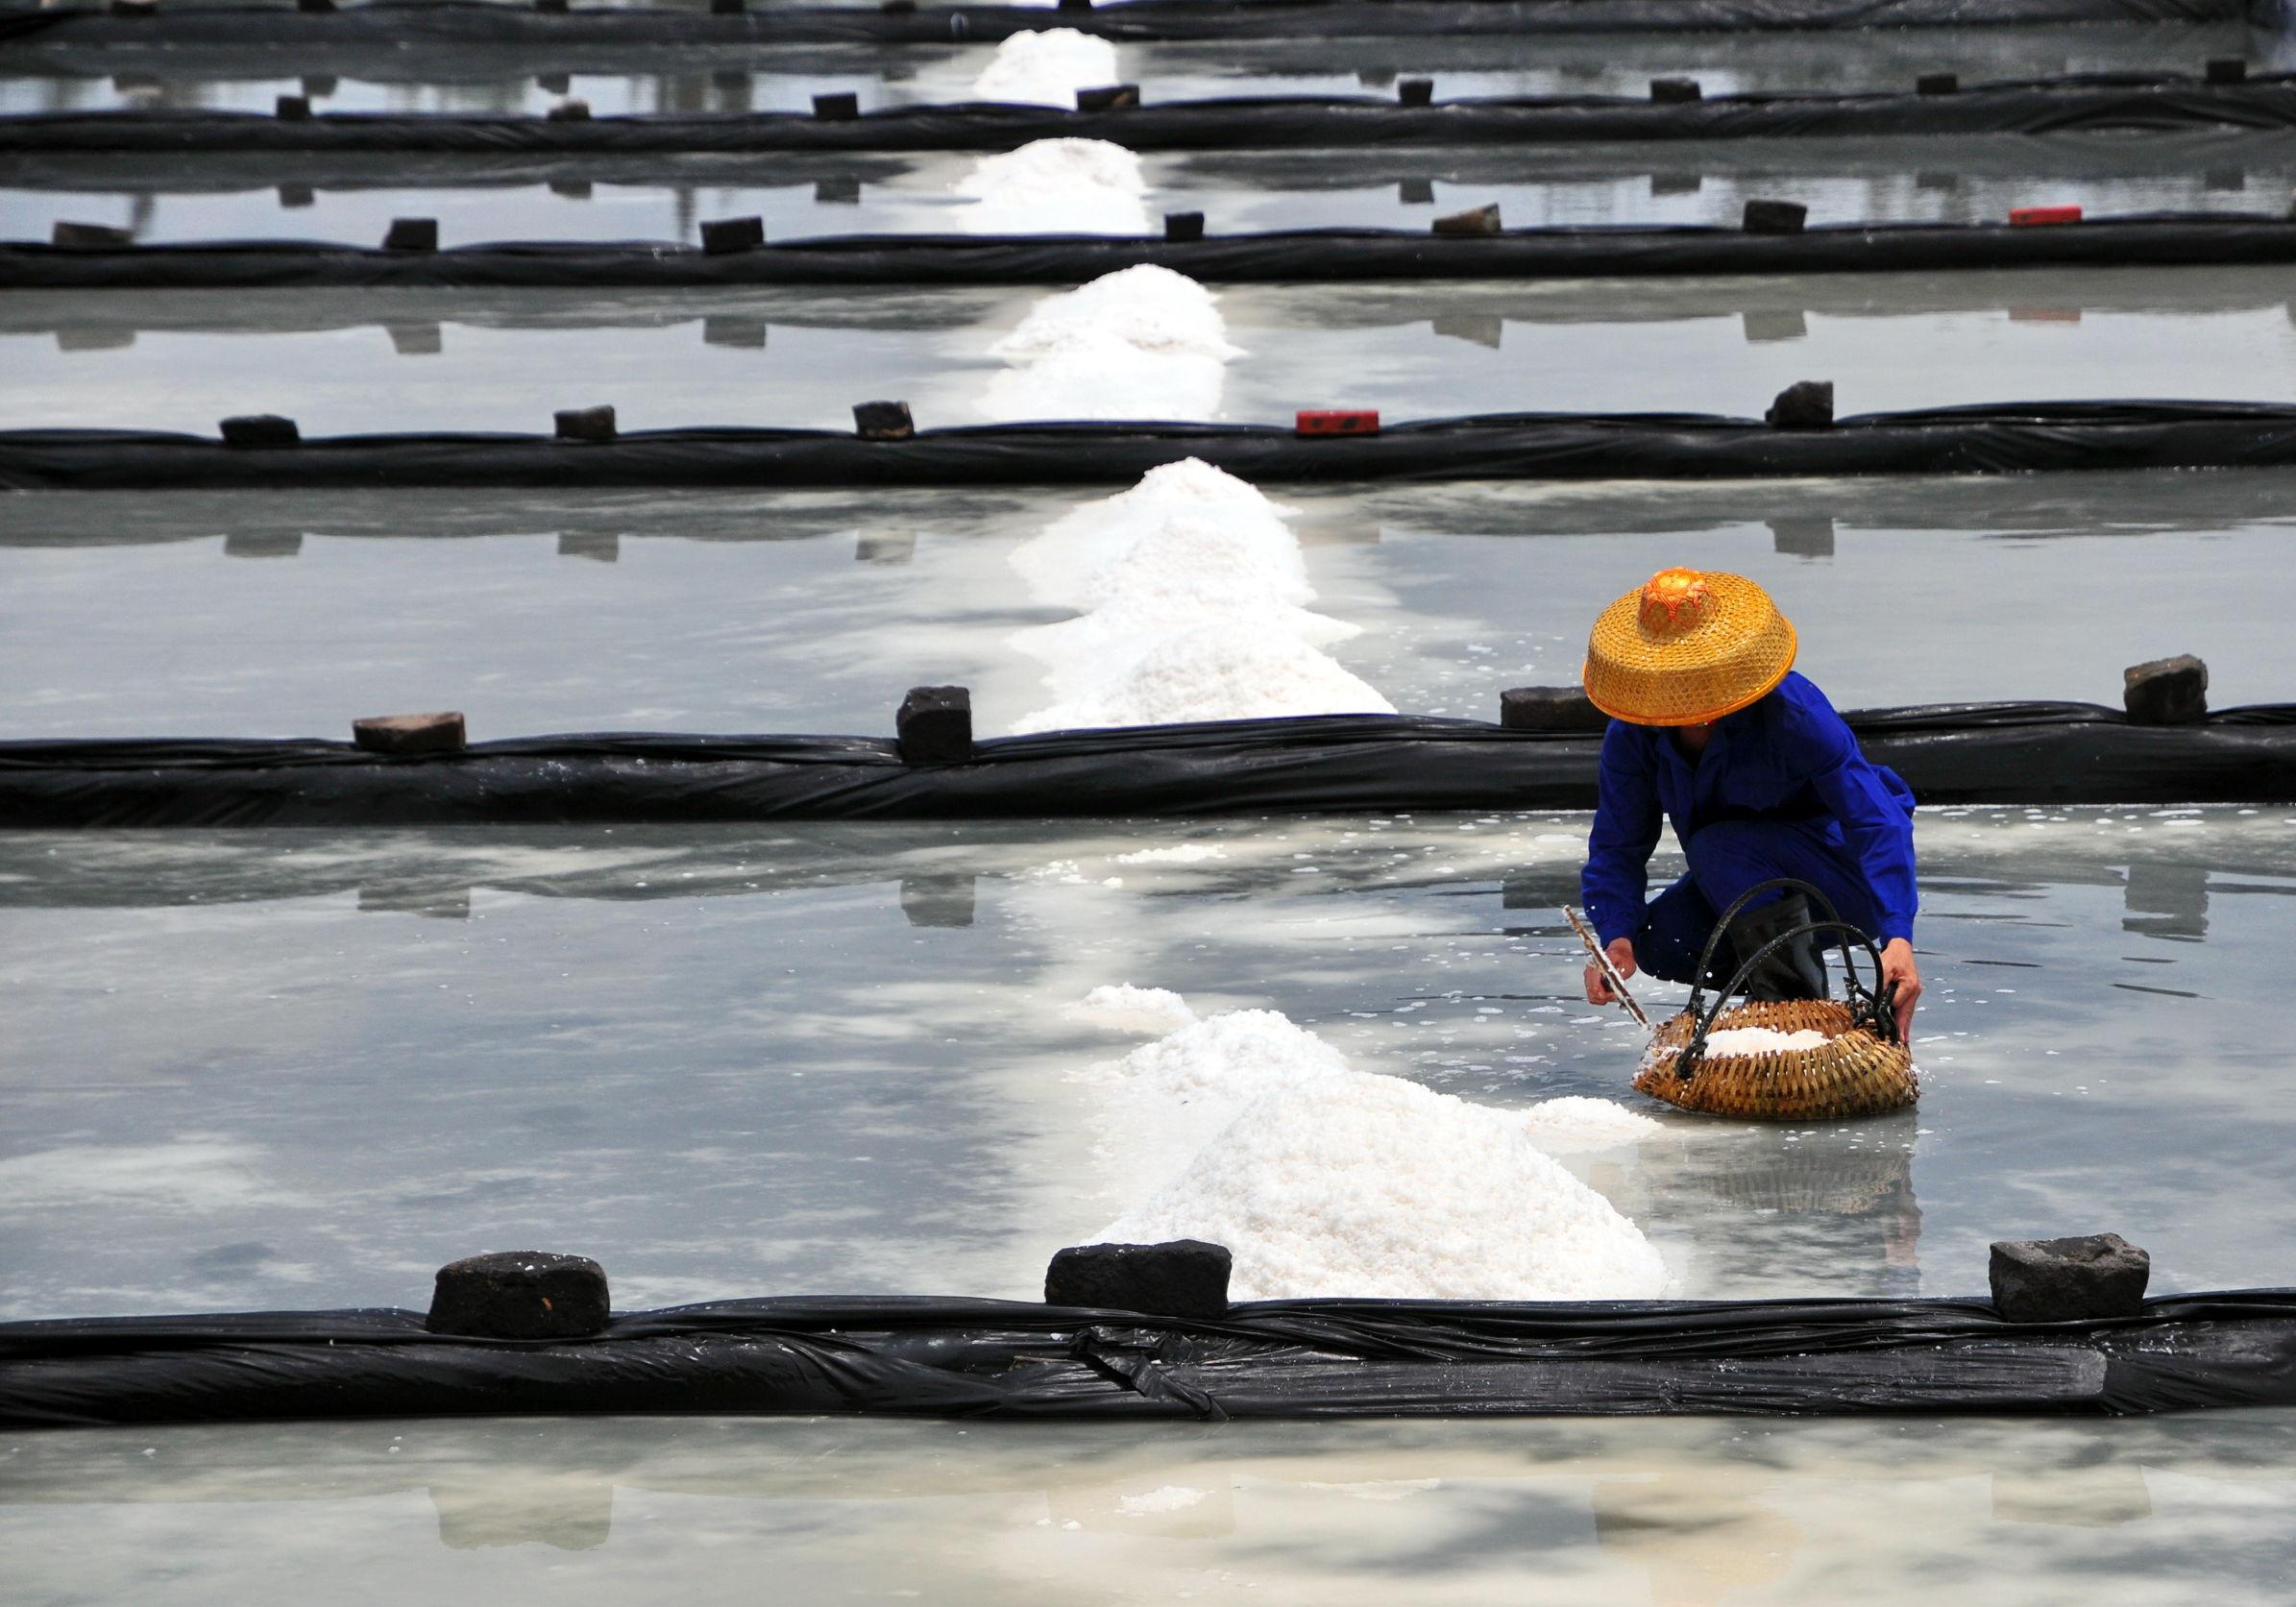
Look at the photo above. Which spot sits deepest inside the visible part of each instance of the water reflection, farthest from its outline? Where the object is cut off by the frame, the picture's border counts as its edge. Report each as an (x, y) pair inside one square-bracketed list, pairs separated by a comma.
[(351, 362), (735, 611), (1666, 1511), (353, 196), (53, 74)]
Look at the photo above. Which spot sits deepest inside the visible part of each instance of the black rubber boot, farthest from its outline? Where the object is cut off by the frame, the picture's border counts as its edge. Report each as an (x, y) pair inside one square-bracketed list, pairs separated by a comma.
[(1794, 970)]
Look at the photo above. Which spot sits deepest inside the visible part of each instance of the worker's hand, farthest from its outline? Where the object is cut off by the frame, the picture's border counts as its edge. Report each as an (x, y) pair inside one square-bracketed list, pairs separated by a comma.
[(1898, 966), (1598, 985)]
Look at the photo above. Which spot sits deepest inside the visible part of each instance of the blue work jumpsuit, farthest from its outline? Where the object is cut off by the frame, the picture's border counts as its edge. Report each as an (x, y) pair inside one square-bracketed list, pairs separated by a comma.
[(1780, 790)]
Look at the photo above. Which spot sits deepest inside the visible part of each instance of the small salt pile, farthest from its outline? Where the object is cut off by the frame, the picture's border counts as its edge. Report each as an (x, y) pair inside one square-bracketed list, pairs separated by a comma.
[(1576, 1124), (1057, 186), (1193, 588), (1046, 67), (1118, 1008), (1734, 1042), (1141, 343), (1326, 1181), (1760, 1040)]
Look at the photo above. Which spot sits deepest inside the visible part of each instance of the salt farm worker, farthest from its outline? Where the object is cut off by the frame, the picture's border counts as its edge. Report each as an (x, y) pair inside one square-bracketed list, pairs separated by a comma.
[(1760, 777)]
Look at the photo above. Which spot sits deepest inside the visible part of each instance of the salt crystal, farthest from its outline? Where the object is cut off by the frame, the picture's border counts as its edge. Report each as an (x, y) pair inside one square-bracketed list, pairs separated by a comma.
[(1171, 1497), (1182, 853)]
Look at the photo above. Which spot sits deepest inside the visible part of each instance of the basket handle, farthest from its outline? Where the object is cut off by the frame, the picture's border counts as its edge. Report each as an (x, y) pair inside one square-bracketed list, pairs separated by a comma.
[(1722, 928), (1870, 1007)]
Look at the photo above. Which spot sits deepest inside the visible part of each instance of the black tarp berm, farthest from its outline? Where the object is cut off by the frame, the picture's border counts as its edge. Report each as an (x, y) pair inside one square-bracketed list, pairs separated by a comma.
[(2029, 753), (1292, 256)]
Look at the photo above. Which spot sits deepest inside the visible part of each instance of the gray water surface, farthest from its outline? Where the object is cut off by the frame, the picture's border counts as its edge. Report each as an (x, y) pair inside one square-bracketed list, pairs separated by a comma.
[(290, 195), (2135, 1513), (354, 361), (58, 75), (205, 614), (300, 1069)]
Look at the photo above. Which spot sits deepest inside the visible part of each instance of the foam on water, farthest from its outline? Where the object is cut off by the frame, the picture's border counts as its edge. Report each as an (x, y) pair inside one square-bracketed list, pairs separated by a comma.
[(1057, 186), (1327, 1180), (1193, 586), (1046, 67)]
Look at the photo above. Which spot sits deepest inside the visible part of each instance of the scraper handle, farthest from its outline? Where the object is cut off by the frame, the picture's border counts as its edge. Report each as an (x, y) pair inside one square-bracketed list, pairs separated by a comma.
[(1610, 972)]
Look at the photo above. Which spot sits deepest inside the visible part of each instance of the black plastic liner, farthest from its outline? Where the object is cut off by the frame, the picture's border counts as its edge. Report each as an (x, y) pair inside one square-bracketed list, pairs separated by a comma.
[(923, 1357), (2105, 102), (430, 23), (2254, 161), (1978, 753), (1990, 439), (1298, 255)]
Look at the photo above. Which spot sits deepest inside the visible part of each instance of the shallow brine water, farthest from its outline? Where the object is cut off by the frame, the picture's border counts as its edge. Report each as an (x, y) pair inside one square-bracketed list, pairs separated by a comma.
[(264, 614), (360, 360), (58, 76), (303, 1068), (353, 198), (1670, 1512)]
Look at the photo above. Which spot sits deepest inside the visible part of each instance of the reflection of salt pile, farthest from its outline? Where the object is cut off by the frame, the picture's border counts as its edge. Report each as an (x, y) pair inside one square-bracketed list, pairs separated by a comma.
[(1193, 588), (1142, 343), (1047, 68), (1057, 186), (1326, 1181)]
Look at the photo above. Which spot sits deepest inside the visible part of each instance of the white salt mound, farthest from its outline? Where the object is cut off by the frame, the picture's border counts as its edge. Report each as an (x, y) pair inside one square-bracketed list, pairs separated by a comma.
[(1047, 68), (1193, 585), (1093, 374), (1123, 1009), (1172, 1096), (1141, 343), (1224, 671), (1373, 1186), (1061, 564), (1057, 186), (1148, 307), (1247, 1130)]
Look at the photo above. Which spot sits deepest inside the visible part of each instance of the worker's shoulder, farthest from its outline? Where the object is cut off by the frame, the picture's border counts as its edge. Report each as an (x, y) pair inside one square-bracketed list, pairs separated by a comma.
[(1800, 709)]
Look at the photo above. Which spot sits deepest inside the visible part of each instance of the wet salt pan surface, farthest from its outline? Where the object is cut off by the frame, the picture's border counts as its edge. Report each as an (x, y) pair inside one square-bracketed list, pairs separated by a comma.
[(1146, 344), (354, 198), (1624, 1511), (1046, 67), (823, 1060), (538, 612)]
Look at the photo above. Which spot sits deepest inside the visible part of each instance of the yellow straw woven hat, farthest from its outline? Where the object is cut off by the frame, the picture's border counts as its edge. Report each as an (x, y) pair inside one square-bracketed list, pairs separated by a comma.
[(1689, 646)]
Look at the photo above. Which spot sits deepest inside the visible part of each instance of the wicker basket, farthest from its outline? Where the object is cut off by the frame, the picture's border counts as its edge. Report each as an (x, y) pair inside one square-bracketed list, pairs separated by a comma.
[(1853, 1073)]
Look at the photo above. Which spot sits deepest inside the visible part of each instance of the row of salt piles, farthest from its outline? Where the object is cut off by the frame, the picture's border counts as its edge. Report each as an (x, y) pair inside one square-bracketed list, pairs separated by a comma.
[(1245, 1129), (1066, 186)]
